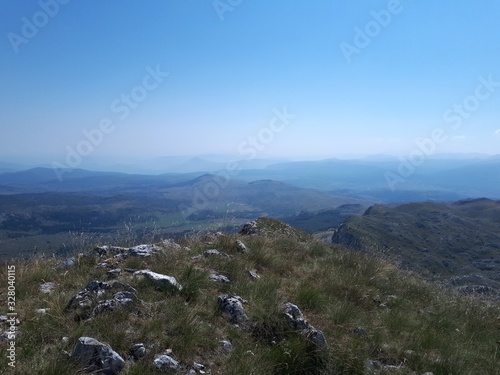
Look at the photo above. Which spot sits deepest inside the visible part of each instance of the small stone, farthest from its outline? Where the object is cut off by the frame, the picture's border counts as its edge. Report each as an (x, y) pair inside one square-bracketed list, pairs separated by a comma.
[(233, 307), (166, 362), (42, 311), (360, 331), (138, 351), (159, 279), (113, 274), (214, 276), (68, 263), (253, 275), (47, 288), (241, 247), (226, 345)]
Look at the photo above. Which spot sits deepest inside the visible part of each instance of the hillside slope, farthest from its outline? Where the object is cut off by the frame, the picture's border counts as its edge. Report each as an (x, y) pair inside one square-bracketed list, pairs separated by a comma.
[(229, 304), (459, 242)]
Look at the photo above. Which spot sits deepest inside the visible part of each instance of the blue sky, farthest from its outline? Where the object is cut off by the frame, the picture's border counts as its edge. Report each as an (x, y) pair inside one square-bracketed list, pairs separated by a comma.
[(224, 68)]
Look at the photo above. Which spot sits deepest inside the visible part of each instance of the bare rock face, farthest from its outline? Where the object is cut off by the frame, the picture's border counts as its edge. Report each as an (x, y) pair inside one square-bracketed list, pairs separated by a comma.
[(297, 321), (159, 279), (232, 306), (98, 357)]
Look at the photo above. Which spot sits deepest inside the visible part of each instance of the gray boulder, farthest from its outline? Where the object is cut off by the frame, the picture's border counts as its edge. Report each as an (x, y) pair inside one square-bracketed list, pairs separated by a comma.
[(165, 362), (98, 357), (232, 306), (214, 276), (88, 302), (249, 228), (297, 321), (241, 247)]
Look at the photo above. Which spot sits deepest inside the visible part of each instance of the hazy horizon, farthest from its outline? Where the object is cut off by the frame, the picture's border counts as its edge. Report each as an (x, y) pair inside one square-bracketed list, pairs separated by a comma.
[(116, 81)]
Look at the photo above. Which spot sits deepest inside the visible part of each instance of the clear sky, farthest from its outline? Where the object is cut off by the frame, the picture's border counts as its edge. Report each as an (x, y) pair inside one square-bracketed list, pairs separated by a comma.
[(185, 77)]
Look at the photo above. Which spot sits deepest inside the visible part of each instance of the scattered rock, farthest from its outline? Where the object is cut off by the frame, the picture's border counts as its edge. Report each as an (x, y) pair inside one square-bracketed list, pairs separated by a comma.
[(165, 362), (47, 288), (248, 228), (253, 275), (232, 306), (159, 279), (144, 250), (84, 302), (42, 311), (226, 345), (119, 299), (98, 357), (241, 247), (66, 264), (214, 276), (360, 331), (210, 252), (138, 351), (113, 274), (171, 244), (297, 321)]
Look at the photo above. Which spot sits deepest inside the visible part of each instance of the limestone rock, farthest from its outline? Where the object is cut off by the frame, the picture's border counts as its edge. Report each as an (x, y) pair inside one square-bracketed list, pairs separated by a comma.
[(232, 306), (297, 321), (68, 263), (98, 357), (249, 228), (241, 247), (47, 288), (159, 279), (164, 362), (214, 276), (85, 302), (138, 351)]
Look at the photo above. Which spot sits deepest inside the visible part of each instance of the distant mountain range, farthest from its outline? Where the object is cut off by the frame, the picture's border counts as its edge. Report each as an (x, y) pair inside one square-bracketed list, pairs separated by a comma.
[(380, 179)]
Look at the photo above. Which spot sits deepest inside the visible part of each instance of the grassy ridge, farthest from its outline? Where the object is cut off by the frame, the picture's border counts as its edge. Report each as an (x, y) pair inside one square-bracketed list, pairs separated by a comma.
[(406, 321)]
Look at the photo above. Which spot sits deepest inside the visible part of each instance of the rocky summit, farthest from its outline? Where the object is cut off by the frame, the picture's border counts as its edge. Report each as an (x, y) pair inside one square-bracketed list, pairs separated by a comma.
[(268, 300)]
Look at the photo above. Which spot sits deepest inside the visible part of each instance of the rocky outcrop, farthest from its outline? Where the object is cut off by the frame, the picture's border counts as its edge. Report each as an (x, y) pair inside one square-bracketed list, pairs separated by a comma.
[(97, 357), (232, 307), (144, 250), (297, 321), (90, 301)]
